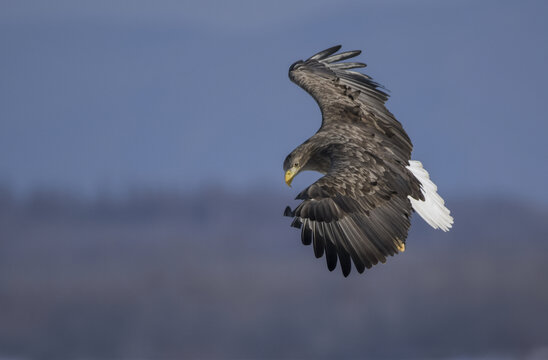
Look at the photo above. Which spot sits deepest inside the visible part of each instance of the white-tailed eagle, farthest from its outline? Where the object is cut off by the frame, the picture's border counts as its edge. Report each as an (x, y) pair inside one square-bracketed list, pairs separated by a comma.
[(360, 210)]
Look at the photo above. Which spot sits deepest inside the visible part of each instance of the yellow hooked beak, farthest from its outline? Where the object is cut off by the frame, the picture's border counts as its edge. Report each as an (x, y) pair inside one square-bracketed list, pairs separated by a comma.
[(290, 174)]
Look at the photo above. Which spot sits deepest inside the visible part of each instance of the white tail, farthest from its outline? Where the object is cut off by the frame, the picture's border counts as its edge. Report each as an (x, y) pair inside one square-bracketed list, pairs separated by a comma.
[(432, 209)]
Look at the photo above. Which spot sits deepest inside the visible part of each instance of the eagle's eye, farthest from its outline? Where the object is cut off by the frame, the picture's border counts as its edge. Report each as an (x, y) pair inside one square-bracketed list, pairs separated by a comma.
[(296, 164)]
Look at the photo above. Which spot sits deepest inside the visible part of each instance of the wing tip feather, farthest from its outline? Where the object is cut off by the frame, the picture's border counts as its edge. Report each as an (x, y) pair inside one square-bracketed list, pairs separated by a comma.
[(325, 53)]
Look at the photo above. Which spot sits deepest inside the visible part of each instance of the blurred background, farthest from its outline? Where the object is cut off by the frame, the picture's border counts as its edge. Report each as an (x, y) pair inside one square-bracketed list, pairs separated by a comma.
[(141, 182)]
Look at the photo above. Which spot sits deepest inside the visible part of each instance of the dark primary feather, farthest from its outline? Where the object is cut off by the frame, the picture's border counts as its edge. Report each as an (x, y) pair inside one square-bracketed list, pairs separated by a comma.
[(359, 211), (342, 56), (346, 66), (325, 53)]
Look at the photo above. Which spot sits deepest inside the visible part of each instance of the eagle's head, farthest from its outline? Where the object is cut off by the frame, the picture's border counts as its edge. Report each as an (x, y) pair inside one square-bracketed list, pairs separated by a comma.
[(294, 163)]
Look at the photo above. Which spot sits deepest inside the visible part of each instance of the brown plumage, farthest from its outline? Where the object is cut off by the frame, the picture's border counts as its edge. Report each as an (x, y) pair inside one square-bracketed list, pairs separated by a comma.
[(360, 210)]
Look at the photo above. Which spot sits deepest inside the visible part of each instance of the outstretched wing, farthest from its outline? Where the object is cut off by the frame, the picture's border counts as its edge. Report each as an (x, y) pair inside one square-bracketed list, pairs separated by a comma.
[(350, 97), (358, 212)]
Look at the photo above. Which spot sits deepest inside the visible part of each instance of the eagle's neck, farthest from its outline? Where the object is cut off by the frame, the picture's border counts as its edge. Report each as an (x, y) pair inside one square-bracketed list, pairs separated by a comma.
[(319, 158)]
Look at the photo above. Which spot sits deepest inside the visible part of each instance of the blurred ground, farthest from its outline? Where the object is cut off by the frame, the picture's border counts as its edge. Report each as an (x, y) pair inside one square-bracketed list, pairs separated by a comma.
[(221, 275)]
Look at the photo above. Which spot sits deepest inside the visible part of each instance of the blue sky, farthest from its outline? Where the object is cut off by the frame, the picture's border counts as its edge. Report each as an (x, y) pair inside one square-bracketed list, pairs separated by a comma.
[(109, 95)]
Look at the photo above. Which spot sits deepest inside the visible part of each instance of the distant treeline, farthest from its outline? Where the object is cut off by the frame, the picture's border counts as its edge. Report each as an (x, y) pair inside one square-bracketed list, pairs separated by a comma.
[(217, 274)]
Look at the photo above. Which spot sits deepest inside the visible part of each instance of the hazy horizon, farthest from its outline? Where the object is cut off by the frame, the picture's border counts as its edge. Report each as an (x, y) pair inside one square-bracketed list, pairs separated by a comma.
[(220, 275)]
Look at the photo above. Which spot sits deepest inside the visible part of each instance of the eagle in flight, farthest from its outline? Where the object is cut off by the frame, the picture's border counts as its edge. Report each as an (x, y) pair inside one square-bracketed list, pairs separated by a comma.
[(360, 210)]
